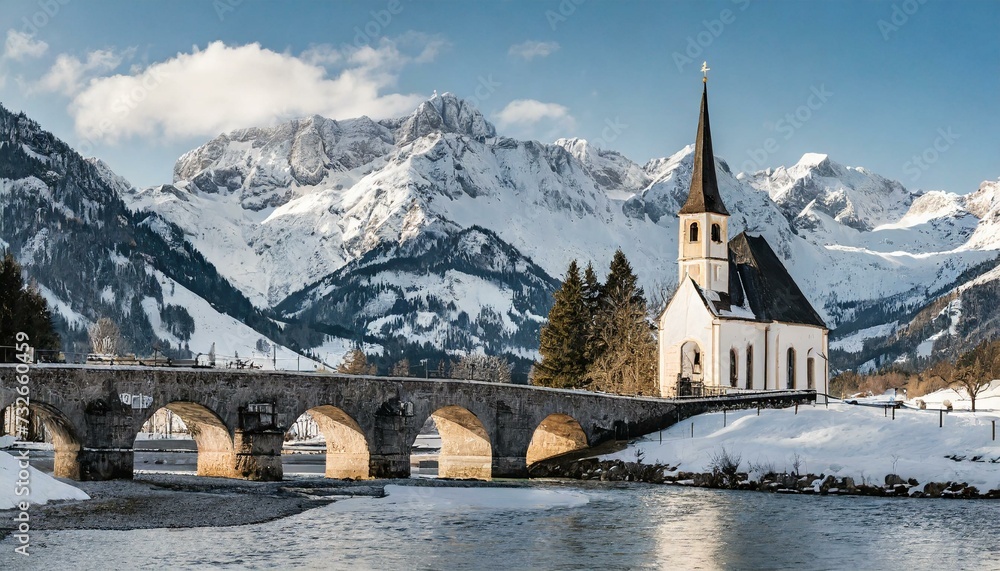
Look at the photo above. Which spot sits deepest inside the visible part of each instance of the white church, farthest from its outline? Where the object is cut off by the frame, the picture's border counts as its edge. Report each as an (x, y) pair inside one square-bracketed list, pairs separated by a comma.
[(737, 321)]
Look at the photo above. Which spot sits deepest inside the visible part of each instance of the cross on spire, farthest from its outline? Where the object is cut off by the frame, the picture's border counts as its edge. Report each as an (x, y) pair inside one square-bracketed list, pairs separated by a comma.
[(705, 69)]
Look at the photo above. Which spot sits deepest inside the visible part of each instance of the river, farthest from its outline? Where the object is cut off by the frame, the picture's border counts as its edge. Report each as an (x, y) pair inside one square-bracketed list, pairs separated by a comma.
[(559, 526)]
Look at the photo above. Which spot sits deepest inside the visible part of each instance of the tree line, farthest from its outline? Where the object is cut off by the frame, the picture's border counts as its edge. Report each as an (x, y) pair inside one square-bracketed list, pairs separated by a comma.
[(972, 371), (598, 336), (22, 309)]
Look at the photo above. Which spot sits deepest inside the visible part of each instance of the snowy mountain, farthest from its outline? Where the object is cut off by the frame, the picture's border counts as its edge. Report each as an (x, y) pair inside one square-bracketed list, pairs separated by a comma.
[(298, 208), (387, 232), (63, 219)]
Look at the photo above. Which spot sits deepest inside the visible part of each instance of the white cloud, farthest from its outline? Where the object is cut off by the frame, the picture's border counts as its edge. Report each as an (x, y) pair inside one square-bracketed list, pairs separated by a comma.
[(529, 118), (222, 88), (526, 111), (20, 45), (531, 49), (67, 74)]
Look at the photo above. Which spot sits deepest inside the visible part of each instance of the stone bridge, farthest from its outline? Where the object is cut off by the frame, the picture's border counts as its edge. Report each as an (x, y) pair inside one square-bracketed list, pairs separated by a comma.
[(238, 419)]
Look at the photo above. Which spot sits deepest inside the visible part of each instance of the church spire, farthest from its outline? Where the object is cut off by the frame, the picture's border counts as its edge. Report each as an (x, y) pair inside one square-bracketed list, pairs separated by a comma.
[(704, 194)]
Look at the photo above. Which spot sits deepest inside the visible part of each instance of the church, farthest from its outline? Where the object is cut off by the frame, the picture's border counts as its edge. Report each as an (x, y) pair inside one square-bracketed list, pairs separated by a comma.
[(737, 321)]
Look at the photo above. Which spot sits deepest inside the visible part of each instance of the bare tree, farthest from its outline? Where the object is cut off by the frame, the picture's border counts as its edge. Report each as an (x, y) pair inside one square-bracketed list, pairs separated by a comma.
[(977, 369), (356, 363), (974, 371), (105, 338), (625, 362), (482, 368)]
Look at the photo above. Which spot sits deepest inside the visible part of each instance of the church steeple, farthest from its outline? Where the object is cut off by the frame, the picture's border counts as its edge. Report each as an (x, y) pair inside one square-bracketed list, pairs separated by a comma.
[(704, 194), (703, 245)]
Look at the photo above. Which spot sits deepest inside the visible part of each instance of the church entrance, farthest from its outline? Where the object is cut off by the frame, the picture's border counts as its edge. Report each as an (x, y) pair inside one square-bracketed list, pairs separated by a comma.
[(690, 380)]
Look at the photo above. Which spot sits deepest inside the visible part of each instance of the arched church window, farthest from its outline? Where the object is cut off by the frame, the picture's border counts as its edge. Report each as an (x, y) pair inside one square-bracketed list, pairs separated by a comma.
[(791, 368), (716, 233), (693, 232), (749, 366), (734, 371), (810, 373)]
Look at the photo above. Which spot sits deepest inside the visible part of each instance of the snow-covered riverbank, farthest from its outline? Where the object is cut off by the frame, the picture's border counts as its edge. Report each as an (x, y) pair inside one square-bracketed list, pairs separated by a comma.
[(38, 488), (863, 443)]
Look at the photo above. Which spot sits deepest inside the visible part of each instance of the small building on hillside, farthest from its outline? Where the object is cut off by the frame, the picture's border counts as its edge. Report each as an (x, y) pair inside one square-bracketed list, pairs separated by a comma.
[(737, 321)]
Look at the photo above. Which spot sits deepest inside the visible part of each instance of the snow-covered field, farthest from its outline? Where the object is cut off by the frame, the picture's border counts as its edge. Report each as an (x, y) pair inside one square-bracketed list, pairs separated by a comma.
[(842, 440), (41, 487), (987, 400)]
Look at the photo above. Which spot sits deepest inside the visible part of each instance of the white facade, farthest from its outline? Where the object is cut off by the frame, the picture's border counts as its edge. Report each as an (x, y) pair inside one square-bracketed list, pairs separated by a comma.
[(759, 350)]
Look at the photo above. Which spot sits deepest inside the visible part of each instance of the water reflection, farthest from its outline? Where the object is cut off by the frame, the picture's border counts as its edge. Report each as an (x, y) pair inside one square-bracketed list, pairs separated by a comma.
[(619, 527)]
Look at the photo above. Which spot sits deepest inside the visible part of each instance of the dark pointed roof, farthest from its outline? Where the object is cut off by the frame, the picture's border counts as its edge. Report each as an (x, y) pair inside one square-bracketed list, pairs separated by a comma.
[(760, 289), (704, 194)]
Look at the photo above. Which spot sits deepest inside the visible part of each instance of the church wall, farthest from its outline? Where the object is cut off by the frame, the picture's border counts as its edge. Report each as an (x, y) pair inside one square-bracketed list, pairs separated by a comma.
[(808, 342), (740, 335), (770, 342), (685, 319)]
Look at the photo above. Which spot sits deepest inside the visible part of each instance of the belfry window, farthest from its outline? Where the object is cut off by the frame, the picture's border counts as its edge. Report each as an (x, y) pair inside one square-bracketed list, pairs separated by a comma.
[(716, 233), (693, 232)]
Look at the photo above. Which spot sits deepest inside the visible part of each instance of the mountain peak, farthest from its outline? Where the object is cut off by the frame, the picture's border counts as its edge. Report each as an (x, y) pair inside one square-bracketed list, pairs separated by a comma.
[(445, 113)]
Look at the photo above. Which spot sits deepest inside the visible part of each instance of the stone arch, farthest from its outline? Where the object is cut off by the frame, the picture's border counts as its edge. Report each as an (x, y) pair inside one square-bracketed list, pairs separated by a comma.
[(716, 233), (216, 454), (347, 451), (466, 450), (693, 232), (65, 440), (556, 435)]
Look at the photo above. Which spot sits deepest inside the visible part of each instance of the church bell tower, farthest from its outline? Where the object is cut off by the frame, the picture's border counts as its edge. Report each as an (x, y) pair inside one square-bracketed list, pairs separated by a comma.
[(703, 247)]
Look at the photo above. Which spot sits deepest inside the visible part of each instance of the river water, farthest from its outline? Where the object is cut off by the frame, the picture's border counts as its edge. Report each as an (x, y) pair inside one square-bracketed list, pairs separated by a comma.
[(559, 526)]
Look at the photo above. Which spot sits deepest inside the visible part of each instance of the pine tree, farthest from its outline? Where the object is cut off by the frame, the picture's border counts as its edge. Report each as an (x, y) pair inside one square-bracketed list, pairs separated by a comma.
[(592, 292), (563, 338), (23, 309), (621, 346)]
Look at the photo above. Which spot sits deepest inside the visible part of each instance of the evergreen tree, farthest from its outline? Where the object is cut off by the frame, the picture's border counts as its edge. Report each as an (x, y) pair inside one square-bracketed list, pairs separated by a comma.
[(23, 309), (563, 338), (621, 345)]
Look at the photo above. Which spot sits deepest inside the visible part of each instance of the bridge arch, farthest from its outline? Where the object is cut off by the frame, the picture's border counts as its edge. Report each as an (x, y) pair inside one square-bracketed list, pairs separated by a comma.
[(65, 440), (216, 454), (347, 450), (556, 434), (466, 449)]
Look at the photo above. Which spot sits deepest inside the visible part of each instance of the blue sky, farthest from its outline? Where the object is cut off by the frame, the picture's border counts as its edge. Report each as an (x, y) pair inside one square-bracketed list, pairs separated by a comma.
[(873, 84)]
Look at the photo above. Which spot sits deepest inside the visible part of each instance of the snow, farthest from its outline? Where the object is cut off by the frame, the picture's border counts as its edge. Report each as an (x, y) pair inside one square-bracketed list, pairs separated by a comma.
[(854, 342), (844, 440), (63, 308), (41, 487), (987, 400), (230, 336)]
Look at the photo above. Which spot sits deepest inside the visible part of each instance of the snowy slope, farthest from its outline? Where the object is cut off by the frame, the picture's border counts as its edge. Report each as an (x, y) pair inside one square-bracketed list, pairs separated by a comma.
[(842, 440)]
